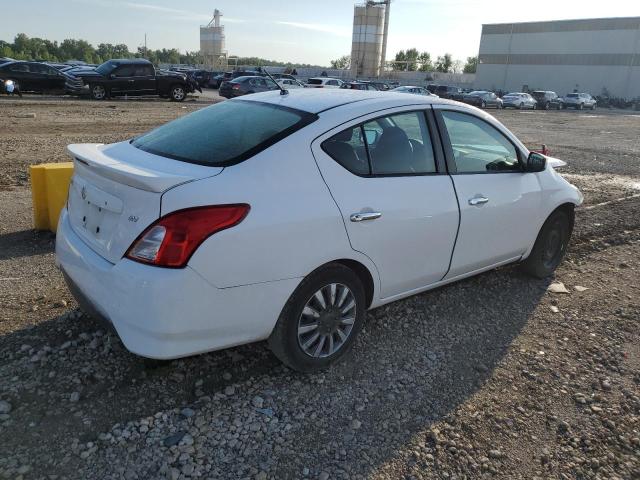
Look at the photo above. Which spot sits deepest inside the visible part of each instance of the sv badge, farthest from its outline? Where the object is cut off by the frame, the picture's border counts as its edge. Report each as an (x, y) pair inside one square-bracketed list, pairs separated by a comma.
[(133, 218)]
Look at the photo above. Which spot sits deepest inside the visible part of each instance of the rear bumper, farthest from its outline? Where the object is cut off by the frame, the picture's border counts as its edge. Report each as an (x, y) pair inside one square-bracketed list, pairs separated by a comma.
[(166, 313)]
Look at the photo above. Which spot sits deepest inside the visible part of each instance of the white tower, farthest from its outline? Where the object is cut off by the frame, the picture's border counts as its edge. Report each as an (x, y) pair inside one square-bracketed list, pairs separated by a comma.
[(212, 40)]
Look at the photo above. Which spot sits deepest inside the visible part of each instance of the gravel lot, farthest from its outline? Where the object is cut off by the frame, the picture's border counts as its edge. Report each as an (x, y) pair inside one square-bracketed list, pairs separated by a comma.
[(496, 376)]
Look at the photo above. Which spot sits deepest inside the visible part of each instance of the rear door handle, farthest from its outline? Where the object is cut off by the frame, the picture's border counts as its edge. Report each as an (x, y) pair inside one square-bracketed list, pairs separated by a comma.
[(360, 217), (475, 201)]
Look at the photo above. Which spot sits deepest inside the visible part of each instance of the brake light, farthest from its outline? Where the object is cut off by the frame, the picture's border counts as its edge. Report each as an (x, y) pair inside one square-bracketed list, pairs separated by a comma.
[(171, 240), (235, 86)]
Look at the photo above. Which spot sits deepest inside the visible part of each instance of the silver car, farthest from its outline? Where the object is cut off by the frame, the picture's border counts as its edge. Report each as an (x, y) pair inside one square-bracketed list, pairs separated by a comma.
[(519, 100), (414, 90), (579, 101)]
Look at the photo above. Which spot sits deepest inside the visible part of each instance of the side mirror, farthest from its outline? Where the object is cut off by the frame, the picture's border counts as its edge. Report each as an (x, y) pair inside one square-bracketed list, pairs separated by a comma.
[(536, 162)]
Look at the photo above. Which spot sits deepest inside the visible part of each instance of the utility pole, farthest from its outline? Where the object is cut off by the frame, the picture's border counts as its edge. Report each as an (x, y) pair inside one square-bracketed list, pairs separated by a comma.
[(146, 55)]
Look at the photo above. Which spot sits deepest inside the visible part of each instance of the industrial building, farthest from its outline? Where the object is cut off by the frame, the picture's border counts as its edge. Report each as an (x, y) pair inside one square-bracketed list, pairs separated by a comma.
[(212, 46), (370, 31), (592, 55)]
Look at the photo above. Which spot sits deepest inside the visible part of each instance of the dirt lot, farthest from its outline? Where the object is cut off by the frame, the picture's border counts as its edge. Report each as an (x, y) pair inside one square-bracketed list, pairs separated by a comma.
[(490, 377)]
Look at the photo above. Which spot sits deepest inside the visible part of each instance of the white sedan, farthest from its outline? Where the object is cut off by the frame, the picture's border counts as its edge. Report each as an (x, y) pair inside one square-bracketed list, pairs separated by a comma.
[(298, 213)]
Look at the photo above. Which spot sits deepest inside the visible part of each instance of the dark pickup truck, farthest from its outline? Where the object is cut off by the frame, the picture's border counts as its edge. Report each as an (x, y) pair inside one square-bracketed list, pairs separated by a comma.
[(136, 77)]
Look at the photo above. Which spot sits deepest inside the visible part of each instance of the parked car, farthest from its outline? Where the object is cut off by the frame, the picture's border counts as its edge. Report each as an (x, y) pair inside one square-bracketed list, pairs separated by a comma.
[(358, 86), (246, 85), (547, 99), (281, 76), (190, 246), (447, 91), (40, 78), (579, 101), (201, 76), (288, 83), (382, 86), (136, 77), (482, 99), (519, 100), (413, 89), (324, 82)]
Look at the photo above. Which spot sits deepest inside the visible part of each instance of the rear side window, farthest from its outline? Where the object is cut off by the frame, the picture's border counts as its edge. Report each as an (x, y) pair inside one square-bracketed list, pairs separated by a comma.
[(314, 81), (393, 145), (225, 133)]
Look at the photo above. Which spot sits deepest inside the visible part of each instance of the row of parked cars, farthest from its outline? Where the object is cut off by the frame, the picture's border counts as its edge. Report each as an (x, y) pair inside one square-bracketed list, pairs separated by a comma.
[(113, 78), (542, 99), (136, 77)]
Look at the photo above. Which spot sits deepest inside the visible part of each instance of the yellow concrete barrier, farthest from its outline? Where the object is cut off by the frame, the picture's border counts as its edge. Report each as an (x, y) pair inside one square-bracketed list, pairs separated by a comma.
[(49, 189)]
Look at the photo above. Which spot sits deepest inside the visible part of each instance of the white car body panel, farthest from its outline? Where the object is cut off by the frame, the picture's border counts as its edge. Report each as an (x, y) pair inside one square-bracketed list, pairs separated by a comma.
[(238, 280), (417, 211)]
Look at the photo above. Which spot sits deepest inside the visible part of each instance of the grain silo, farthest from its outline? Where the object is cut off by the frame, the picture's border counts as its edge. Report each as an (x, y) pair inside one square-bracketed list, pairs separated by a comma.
[(212, 43), (370, 29)]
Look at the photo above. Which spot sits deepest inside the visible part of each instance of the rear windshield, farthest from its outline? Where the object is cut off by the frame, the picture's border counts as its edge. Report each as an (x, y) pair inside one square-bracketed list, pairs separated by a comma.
[(314, 81), (224, 134), (573, 95)]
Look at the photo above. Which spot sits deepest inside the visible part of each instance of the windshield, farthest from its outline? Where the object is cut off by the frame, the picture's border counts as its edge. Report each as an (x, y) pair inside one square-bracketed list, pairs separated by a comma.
[(224, 134), (477, 93), (105, 68), (573, 95)]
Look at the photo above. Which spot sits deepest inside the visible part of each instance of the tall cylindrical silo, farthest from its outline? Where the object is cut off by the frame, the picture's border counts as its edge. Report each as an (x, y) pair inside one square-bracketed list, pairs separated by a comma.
[(368, 39), (212, 41)]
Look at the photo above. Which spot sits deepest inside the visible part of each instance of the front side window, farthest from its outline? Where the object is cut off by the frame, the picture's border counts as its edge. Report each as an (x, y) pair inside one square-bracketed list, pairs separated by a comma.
[(478, 147), (225, 133), (394, 145)]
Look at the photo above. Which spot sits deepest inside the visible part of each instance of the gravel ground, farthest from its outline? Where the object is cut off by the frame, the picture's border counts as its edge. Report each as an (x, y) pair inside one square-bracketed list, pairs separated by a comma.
[(495, 376)]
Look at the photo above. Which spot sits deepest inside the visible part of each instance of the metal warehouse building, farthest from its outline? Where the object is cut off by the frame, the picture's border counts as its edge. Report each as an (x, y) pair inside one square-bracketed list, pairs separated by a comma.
[(566, 55)]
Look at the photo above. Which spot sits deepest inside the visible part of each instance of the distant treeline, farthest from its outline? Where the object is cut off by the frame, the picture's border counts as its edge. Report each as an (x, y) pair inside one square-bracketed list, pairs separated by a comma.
[(25, 48)]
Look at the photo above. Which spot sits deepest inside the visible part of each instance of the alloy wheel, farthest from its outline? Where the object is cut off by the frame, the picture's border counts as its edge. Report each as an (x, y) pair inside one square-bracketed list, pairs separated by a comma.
[(178, 93), (99, 92), (327, 320)]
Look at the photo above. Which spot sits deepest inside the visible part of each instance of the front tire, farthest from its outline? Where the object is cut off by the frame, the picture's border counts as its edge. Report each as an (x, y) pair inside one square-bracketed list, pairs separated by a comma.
[(550, 246), (522, 106), (98, 92), (320, 321), (483, 104), (177, 93)]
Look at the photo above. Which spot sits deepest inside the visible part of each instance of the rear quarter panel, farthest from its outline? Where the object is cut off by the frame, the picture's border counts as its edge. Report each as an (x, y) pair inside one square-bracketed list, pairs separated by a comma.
[(293, 227)]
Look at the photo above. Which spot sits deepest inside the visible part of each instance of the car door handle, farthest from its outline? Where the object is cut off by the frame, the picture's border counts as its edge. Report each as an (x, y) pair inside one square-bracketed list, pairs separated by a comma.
[(360, 217), (478, 201)]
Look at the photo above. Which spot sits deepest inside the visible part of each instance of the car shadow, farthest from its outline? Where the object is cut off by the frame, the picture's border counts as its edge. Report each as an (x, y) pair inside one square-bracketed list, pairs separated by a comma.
[(414, 363), (26, 243)]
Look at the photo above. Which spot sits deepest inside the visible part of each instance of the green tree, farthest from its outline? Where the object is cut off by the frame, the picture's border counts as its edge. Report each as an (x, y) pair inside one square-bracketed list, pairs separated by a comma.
[(424, 60), (444, 63), (342, 63), (471, 65)]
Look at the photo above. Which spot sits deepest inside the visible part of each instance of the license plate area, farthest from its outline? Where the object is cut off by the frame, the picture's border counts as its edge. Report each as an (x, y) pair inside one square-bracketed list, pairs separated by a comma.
[(94, 212)]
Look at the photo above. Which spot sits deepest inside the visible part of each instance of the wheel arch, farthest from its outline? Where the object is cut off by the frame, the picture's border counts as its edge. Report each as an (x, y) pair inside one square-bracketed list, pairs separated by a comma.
[(567, 207), (361, 270)]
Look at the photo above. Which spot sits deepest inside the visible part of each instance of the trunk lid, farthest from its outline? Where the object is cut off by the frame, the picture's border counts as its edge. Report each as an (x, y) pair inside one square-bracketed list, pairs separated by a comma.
[(116, 190)]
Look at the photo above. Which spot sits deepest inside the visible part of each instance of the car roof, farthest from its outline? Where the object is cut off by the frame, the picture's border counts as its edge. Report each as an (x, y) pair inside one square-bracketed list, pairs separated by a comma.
[(324, 78), (314, 100), (124, 61)]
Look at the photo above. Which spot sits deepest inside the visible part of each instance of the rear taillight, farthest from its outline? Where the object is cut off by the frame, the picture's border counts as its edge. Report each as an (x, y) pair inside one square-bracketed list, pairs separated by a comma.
[(235, 86), (170, 241)]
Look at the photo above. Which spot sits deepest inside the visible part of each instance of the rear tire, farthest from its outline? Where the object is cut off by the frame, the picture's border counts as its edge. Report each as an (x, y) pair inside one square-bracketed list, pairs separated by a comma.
[(550, 246), (581, 107), (483, 104), (304, 317), (522, 106), (547, 106)]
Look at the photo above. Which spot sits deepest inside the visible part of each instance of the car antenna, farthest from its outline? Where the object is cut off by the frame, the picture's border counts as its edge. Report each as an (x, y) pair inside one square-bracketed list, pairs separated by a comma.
[(283, 91)]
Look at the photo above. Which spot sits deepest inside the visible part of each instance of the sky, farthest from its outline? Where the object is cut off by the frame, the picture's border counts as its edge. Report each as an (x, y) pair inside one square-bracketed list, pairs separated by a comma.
[(301, 31)]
